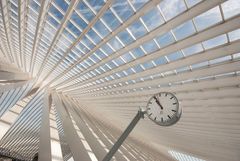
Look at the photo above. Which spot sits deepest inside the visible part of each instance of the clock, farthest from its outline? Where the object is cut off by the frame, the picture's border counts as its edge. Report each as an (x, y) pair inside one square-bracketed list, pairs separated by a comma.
[(163, 109)]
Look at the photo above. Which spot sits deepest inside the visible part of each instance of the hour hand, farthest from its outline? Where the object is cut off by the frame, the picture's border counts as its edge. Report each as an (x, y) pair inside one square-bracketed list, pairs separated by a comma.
[(159, 104)]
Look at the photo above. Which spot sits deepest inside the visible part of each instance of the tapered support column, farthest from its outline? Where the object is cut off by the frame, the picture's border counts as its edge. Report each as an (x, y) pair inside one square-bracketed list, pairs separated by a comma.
[(96, 147), (77, 148), (44, 153)]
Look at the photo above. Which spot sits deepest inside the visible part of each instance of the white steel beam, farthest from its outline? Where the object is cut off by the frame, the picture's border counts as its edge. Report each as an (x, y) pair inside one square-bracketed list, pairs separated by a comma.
[(22, 7), (10, 86), (202, 85), (208, 71), (222, 102), (193, 95), (8, 76)]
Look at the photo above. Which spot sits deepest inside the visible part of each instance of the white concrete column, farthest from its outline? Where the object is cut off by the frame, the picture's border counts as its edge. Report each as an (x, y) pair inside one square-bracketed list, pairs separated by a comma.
[(96, 147), (77, 148), (44, 153)]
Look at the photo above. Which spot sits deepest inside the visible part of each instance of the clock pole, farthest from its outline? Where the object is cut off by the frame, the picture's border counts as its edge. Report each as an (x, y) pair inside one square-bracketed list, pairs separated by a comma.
[(124, 135)]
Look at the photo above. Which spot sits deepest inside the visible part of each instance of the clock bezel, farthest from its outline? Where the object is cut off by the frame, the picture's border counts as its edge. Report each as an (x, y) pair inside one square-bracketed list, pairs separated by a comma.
[(173, 120)]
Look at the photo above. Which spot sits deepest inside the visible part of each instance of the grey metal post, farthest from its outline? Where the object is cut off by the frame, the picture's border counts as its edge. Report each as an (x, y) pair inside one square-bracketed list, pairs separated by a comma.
[(124, 135)]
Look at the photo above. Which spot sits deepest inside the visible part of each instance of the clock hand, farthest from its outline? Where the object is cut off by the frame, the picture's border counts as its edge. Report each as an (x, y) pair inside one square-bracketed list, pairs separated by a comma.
[(158, 102)]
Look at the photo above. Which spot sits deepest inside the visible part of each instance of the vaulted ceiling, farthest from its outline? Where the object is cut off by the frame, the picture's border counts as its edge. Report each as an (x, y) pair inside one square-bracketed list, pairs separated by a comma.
[(109, 56)]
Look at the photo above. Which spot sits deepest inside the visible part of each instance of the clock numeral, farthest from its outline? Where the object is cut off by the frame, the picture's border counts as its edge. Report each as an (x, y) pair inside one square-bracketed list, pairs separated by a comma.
[(175, 103), (171, 97), (162, 119), (155, 119), (174, 111), (168, 116), (150, 114)]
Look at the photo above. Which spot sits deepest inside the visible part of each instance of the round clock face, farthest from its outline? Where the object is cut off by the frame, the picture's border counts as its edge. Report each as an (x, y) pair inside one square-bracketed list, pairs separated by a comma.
[(163, 109)]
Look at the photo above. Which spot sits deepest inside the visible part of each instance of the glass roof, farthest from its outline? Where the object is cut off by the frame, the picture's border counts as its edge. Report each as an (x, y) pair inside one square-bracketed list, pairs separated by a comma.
[(110, 50)]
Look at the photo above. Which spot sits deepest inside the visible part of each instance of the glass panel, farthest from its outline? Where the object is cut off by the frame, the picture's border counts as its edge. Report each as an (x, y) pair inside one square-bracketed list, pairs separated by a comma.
[(172, 8), (191, 3), (34, 5), (107, 49), (161, 60), (138, 4), (127, 57), (115, 43), (100, 54), (234, 35), (125, 37), (83, 48), (222, 39), (150, 46), (184, 30), (165, 39), (123, 9), (87, 42), (138, 68), (79, 21), (111, 20), (56, 13), (111, 64), (220, 60), (73, 29), (85, 11), (183, 69), (138, 52), (231, 8), (53, 22), (101, 28), (129, 71), (153, 19), (148, 65), (208, 18), (192, 50), (62, 4), (92, 34), (118, 61), (137, 29), (175, 56), (200, 65), (96, 4)]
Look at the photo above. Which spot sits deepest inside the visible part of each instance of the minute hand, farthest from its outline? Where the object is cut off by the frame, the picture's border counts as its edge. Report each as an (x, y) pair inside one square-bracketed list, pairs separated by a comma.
[(158, 102)]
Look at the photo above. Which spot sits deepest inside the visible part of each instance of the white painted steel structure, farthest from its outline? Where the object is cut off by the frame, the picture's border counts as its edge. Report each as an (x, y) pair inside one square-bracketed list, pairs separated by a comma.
[(73, 74)]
